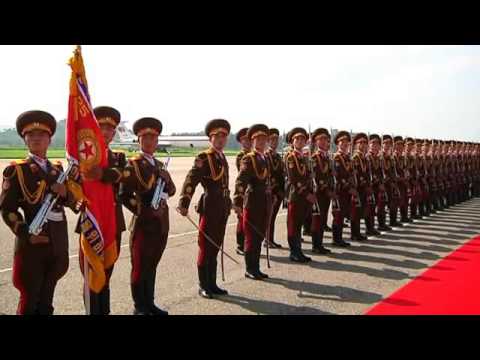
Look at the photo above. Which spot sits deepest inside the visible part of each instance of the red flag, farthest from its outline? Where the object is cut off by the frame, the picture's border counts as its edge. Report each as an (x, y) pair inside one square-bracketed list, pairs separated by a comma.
[(85, 145)]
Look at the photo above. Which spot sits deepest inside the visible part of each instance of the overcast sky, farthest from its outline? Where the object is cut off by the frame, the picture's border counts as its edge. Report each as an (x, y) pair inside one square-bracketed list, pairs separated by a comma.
[(423, 91)]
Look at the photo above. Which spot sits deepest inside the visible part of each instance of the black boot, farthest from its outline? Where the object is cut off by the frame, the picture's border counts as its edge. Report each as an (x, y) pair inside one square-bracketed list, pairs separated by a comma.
[(381, 223), (203, 283), (257, 263), (337, 231), (45, 309), (355, 231), (393, 219), (138, 294), (251, 271), (213, 279), (370, 225), (105, 301), (317, 244), (150, 295)]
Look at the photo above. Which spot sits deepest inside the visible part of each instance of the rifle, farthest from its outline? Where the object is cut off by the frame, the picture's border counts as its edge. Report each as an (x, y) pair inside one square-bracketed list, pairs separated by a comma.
[(41, 217), (355, 198), (395, 186), (384, 193), (285, 176), (335, 203), (372, 195), (313, 180), (158, 195)]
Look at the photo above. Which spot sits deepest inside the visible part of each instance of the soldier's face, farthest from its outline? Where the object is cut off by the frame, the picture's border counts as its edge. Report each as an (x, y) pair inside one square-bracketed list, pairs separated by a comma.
[(409, 148), (362, 145), (323, 143), (219, 141), (260, 143), (108, 132), (299, 142), (387, 146), (344, 145), (399, 148), (274, 142), (245, 143), (374, 147), (37, 141), (148, 143)]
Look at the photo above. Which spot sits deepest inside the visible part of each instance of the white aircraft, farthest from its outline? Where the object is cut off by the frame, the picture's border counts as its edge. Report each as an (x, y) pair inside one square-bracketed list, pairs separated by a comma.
[(129, 139)]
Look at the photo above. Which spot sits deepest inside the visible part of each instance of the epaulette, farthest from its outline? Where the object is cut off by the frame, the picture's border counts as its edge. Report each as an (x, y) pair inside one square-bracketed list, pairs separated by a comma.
[(135, 158), (9, 171), (18, 162)]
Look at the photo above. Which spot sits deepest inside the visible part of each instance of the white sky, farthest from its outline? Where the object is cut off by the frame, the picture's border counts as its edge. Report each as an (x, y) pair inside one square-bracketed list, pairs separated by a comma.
[(423, 91)]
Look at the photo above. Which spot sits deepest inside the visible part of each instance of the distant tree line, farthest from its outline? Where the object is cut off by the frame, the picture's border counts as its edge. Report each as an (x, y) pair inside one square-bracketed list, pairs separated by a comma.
[(10, 138)]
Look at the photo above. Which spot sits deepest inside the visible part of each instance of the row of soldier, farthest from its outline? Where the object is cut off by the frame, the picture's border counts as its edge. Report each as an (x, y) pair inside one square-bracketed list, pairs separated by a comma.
[(367, 175)]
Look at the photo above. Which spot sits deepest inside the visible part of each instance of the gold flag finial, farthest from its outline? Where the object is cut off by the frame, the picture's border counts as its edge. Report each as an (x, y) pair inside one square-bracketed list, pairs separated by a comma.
[(78, 69)]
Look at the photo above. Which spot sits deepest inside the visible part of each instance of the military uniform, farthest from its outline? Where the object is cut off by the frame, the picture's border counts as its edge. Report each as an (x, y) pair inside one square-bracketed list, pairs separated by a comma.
[(343, 172), (150, 227), (390, 181), (240, 232), (378, 181), (322, 168), (277, 168), (437, 172), (112, 174), (415, 191), (365, 192), (403, 173), (424, 167), (253, 194), (299, 185), (37, 266), (210, 169)]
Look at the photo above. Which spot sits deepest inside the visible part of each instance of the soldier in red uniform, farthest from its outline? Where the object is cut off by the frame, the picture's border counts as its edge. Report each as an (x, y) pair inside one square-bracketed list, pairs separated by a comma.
[(277, 168), (300, 196), (108, 119), (253, 198), (424, 167), (242, 138), (150, 226), (364, 188), (378, 181), (403, 173), (40, 260), (394, 195), (322, 168), (345, 188), (210, 169), (415, 193)]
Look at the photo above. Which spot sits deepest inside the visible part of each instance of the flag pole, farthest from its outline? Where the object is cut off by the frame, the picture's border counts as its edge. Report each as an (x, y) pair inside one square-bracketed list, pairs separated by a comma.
[(86, 292)]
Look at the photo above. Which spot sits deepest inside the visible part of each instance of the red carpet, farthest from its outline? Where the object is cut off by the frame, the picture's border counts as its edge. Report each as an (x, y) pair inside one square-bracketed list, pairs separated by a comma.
[(450, 287)]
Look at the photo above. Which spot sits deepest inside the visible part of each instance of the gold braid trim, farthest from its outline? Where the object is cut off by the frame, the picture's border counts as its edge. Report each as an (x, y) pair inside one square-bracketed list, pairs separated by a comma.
[(254, 163), (148, 185), (363, 166), (386, 163), (342, 160), (301, 172), (274, 167), (325, 167), (214, 175), (29, 197)]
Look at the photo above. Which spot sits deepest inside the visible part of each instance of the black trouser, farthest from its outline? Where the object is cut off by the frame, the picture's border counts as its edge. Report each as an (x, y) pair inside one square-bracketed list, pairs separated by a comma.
[(320, 221), (37, 269)]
